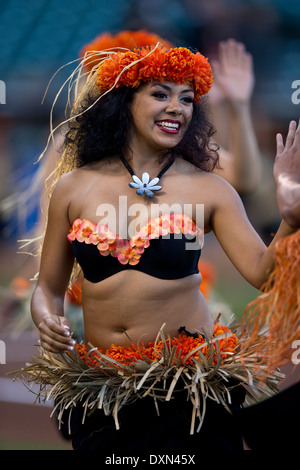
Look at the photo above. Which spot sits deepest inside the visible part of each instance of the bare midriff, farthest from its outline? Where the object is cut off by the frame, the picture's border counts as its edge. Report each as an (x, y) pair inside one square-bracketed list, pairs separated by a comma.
[(131, 307)]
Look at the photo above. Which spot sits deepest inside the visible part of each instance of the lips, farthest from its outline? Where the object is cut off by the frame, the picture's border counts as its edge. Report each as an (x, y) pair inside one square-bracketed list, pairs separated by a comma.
[(169, 126)]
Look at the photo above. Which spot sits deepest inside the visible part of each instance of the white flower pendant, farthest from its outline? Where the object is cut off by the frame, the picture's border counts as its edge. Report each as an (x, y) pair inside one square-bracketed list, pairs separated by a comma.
[(145, 186)]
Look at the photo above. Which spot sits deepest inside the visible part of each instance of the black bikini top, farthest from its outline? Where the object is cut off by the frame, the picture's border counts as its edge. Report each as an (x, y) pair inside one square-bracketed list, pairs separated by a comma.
[(167, 247)]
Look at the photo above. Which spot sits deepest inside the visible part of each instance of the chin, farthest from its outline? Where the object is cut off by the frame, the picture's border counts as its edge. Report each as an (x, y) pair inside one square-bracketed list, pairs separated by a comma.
[(169, 143)]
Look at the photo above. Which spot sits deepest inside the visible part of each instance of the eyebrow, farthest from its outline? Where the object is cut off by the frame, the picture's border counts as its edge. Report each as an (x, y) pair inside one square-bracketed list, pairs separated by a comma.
[(166, 87)]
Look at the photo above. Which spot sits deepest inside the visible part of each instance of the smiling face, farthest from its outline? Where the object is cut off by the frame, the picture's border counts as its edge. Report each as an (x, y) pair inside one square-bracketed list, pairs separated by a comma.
[(161, 113)]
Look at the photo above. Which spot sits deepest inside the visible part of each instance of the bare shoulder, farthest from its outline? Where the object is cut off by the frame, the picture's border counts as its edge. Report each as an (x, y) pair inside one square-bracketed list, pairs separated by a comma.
[(65, 191), (217, 182), (71, 182), (222, 194), (209, 183)]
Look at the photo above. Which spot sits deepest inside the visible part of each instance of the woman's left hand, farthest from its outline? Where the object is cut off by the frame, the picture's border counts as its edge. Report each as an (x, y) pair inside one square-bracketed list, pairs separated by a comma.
[(287, 175), (287, 159)]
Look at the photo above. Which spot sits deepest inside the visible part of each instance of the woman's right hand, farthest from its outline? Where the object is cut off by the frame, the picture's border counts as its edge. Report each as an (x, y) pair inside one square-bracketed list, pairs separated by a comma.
[(55, 334)]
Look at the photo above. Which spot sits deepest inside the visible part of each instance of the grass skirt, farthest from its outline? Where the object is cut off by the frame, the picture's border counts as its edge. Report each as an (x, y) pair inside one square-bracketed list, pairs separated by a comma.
[(201, 366)]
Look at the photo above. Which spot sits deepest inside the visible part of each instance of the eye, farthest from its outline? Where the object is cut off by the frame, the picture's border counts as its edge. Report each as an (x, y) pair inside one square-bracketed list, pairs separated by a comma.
[(160, 95), (188, 99)]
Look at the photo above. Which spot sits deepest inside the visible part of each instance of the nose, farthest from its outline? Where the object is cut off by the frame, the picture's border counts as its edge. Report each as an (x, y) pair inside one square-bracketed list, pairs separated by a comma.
[(174, 106)]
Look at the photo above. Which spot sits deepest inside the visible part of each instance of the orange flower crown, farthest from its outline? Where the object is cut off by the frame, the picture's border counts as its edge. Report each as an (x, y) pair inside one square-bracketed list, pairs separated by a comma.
[(177, 64), (123, 40)]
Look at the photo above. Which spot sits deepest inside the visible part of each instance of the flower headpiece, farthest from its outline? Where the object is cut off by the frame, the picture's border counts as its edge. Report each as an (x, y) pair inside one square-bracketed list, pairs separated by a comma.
[(178, 64), (123, 40)]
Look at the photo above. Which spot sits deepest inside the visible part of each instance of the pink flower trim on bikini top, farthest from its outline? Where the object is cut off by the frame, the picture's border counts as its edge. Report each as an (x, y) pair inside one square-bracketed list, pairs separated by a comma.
[(130, 251)]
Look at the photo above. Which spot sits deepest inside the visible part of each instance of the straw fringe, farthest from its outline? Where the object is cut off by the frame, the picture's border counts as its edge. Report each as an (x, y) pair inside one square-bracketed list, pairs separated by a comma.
[(272, 321), (70, 381)]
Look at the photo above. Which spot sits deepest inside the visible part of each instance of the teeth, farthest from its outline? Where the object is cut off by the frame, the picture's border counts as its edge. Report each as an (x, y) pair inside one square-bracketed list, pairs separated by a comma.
[(173, 125)]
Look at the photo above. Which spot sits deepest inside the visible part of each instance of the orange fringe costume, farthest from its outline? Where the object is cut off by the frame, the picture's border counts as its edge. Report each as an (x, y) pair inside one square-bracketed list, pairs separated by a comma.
[(272, 321)]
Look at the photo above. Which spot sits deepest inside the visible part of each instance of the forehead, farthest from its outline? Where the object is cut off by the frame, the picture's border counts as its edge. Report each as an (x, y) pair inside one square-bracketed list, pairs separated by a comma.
[(169, 86)]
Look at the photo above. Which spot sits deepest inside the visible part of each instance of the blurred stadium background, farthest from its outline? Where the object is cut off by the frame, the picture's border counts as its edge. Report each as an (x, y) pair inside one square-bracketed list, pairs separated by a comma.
[(37, 37)]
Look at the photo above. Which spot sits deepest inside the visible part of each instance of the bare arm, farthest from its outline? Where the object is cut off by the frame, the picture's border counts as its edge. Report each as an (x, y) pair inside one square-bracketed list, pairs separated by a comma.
[(243, 246), (56, 264), (287, 177), (235, 233)]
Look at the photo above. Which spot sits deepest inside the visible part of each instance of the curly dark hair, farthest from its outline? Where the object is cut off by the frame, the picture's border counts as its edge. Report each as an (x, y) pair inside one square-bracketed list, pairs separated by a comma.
[(104, 131)]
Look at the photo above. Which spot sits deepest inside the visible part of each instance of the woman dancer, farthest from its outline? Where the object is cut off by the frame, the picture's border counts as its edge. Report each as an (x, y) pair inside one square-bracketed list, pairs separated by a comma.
[(140, 114)]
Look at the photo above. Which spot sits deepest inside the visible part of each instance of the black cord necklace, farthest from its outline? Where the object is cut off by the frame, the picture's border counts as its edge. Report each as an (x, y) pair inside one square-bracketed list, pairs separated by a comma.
[(145, 185)]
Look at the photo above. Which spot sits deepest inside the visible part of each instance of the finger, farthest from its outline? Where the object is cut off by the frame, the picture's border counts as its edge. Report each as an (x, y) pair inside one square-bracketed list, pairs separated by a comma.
[(56, 340), (49, 330), (291, 134), (235, 51), (58, 325), (298, 129), (279, 144), (64, 322), (55, 346), (247, 62), (240, 54), (46, 334)]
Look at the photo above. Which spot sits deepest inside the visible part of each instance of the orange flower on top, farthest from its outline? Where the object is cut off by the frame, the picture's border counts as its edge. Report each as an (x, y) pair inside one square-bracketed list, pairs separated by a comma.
[(154, 66), (181, 65), (202, 75), (156, 63), (110, 71), (124, 39)]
